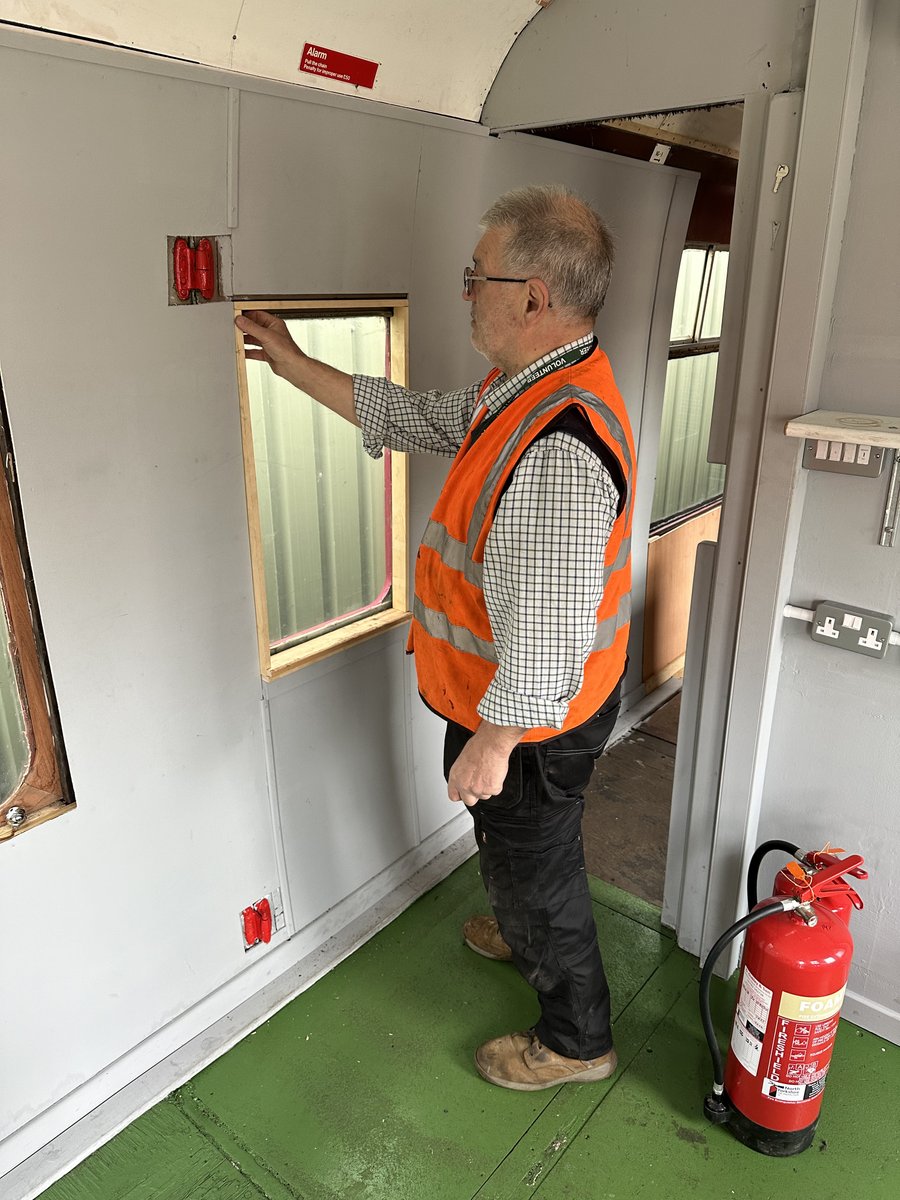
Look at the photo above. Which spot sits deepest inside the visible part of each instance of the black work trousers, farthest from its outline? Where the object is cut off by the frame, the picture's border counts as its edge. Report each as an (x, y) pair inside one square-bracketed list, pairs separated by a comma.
[(532, 864)]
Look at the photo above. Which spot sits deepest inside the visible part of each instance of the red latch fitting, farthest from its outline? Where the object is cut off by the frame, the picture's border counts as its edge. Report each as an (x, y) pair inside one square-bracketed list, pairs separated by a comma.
[(250, 919), (264, 911), (194, 270), (258, 922)]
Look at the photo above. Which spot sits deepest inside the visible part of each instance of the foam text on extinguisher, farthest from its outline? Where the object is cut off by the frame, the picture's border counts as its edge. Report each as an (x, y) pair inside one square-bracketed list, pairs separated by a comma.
[(810, 1008)]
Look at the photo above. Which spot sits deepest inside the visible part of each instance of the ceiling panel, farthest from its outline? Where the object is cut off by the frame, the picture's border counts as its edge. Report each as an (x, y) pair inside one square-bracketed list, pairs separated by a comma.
[(433, 55)]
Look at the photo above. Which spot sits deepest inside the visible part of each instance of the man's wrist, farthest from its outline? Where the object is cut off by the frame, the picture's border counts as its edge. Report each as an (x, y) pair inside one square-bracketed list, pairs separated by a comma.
[(502, 738)]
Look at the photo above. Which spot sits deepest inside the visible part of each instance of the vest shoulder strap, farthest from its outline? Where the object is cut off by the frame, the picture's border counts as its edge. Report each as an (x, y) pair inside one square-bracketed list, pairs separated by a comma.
[(574, 422)]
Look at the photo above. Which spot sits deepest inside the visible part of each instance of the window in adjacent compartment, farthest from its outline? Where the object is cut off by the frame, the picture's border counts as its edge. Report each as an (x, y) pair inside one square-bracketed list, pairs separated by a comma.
[(685, 481), (327, 522), (34, 783)]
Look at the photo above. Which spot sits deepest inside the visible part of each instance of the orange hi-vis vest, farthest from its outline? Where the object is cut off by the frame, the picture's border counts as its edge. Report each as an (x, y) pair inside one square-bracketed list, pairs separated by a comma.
[(451, 636)]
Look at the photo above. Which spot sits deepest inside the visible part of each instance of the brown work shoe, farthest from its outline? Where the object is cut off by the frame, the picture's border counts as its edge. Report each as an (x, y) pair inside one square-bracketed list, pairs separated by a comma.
[(522, 1062), (482, 934)]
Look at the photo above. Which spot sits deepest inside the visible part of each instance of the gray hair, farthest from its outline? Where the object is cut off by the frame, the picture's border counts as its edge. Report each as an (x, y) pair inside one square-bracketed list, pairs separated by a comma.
[(557, 237)]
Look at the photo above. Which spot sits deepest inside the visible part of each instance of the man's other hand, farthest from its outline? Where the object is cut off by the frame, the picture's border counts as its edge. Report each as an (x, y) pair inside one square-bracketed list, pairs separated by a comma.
[(483, 763)]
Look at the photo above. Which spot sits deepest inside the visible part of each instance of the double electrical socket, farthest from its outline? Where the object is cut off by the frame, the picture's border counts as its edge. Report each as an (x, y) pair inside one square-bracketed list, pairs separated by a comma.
[(856, 629)]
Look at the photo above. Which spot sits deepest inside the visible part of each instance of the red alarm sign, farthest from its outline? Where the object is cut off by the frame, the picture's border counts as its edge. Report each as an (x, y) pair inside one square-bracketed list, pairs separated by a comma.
[(319, 60)]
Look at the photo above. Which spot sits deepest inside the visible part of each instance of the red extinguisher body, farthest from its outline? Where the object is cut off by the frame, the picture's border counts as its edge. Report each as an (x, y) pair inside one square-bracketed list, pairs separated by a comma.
[(793, 976)]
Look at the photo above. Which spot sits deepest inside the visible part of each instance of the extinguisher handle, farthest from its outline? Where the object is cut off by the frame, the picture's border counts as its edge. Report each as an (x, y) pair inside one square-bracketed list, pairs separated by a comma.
[(833, 875), (825, 858)]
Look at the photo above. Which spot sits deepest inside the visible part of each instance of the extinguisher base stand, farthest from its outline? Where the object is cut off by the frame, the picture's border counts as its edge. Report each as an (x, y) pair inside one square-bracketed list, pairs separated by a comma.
[(777, 1143)]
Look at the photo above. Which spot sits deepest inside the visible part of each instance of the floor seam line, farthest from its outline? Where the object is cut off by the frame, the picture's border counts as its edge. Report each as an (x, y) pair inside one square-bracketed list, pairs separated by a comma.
[(665, 936), (215, 1120), (544, 1175), (207, 1137), (517, 1143), (647, 981), (607, 1093), (663, 933)]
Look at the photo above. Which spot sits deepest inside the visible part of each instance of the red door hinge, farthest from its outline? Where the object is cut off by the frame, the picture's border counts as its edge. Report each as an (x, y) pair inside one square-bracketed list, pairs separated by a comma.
[(250, 921), (194, 270), (264, 909), (258, 922)]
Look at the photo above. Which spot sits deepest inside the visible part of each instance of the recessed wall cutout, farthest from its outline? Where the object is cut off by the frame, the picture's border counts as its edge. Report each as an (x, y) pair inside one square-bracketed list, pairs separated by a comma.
[(198, 268)]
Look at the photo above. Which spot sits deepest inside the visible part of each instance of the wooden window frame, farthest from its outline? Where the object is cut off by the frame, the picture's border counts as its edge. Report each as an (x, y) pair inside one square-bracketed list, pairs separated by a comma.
[(45, 789), (282, 662), (694, 347)]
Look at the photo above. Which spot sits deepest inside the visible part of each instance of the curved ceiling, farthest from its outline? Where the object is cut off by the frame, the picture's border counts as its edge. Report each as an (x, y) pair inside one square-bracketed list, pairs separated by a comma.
[(434, 55)]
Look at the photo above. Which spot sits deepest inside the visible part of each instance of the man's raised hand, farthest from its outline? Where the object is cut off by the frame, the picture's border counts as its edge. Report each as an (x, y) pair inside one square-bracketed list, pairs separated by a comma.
[(266, 339)]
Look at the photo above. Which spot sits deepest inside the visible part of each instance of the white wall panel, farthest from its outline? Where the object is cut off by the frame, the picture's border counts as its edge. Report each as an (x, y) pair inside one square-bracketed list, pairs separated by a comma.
[(327, 198), (339, 737), (124, 420)]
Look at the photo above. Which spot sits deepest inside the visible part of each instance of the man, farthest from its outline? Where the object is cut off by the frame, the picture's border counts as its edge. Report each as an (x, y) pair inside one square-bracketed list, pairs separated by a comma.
[(520, 622)]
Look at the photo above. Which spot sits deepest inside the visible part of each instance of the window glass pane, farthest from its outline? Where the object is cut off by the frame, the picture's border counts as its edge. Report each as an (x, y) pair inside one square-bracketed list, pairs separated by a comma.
[(684, 477), (687, 294), (13, 742), (715, 296), (322, 500)]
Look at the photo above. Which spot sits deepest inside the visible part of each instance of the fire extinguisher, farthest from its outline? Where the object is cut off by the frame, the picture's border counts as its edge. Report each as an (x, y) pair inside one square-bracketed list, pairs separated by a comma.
[(793, 975)]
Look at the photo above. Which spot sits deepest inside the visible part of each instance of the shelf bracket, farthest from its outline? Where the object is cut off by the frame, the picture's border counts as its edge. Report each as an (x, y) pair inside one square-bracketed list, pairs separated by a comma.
[(892, 506)]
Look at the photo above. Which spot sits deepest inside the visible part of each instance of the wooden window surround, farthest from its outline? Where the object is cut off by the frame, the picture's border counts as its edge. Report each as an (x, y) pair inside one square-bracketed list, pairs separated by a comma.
[(43, 790)]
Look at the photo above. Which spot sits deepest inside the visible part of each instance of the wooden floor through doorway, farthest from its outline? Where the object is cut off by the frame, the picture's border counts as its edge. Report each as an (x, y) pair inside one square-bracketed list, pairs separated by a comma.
[(626, 813)]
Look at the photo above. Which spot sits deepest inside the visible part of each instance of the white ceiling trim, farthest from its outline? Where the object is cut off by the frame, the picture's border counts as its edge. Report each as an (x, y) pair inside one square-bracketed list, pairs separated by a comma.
[(436, 56)]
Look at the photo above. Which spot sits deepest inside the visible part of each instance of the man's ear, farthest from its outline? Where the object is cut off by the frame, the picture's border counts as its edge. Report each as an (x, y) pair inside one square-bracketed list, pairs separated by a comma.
[(537, 298)]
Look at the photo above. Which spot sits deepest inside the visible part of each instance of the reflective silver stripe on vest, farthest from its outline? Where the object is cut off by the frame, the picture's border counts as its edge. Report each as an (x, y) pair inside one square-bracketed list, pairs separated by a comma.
[(621, 557), (610, 626), (437, 626), (452, 553), (479, 512), (459, 556)]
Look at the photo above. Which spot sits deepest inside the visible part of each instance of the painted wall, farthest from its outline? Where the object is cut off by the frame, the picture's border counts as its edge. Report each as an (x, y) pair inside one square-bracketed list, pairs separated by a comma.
[(840, 713), (199, 790)]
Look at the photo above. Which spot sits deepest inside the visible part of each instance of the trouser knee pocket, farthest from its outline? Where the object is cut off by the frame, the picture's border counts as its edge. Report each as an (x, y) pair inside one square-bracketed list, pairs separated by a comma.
[(536, 880)]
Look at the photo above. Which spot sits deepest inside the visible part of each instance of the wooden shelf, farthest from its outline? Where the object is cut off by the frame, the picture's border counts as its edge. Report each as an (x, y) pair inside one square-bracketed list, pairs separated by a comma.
[(861, 428)]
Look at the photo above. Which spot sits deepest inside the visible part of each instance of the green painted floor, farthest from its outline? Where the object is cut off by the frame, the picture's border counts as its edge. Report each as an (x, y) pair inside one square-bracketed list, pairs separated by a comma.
[(364, 1087)]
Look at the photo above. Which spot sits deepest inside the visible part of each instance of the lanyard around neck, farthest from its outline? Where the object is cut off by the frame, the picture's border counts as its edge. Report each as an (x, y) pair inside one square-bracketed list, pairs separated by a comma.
[(569, 359)]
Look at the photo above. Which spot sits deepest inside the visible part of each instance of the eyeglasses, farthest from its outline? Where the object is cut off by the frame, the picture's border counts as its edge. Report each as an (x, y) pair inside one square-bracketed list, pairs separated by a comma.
[(469, 278)]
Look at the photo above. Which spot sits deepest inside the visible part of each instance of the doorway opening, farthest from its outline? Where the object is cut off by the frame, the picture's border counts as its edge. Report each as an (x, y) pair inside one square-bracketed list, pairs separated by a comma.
[(627, 804)]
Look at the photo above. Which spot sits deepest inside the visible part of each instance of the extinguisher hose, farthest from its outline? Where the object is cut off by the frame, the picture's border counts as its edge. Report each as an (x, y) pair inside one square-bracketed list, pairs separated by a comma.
[(729, 935), (753, 870)]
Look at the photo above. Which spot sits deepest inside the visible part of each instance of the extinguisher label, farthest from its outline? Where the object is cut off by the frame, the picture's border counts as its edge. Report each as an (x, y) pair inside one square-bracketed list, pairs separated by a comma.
[(810, 1008), (751, 1017), (805, 1029)]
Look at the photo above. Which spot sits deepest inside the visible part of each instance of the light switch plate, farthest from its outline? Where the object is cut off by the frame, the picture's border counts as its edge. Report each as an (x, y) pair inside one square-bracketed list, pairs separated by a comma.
[(870, 463)]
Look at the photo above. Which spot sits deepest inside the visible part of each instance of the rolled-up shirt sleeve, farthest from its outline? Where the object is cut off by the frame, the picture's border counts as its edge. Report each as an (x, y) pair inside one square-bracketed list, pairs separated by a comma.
[(543, 580), (394, 418)]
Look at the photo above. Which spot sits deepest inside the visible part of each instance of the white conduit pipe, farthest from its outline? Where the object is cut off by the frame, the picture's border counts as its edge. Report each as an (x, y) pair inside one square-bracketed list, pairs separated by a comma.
[(808, 615)]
